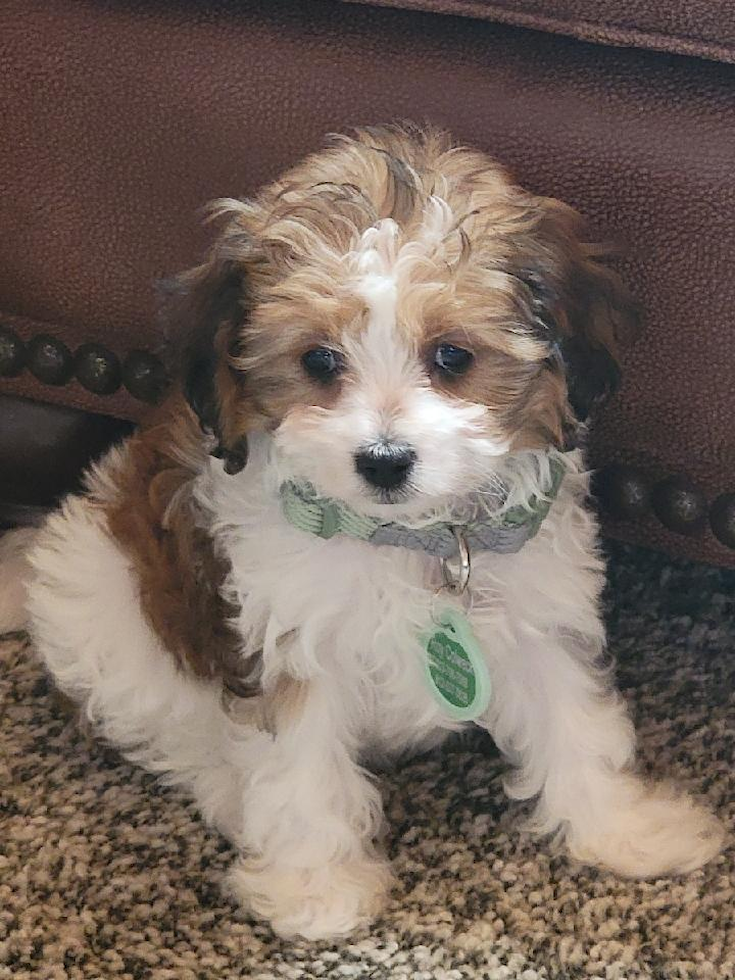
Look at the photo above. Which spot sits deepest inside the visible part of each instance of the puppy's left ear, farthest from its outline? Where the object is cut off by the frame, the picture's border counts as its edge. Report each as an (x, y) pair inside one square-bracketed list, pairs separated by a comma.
[(581, 308)]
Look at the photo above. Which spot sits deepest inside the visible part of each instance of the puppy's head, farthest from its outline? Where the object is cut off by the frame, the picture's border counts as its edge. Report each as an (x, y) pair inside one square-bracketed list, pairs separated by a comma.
[(400, 316)]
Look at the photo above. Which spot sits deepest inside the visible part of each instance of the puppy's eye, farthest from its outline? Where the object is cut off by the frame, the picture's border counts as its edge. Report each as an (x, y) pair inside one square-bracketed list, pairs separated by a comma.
[(321, 363), (451, 359)]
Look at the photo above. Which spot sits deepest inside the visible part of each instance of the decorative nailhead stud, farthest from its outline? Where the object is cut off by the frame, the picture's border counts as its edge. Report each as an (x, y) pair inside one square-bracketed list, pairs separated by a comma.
[(624, 491), (722, 519), (144, 376), (50, 360), (680, 505), (97, 369), (12, 353)]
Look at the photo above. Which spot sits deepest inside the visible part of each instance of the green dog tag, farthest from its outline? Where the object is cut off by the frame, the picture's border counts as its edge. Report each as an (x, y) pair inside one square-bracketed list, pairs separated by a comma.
[(455, 667)]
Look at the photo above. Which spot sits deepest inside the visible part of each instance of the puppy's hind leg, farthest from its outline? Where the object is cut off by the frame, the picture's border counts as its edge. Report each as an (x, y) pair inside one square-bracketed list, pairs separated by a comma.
[(557, 714), (89, 630), (294, 801)]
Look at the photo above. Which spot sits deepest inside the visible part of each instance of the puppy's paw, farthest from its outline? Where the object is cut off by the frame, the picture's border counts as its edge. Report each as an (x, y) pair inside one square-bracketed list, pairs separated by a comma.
[(316, 903), (654, 832)]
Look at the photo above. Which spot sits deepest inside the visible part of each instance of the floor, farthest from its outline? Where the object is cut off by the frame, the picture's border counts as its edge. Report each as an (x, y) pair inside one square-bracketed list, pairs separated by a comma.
[(105, 873)]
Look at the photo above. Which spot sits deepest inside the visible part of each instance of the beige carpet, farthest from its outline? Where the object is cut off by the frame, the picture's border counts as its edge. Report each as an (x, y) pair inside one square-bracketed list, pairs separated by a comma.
[(105, 874)]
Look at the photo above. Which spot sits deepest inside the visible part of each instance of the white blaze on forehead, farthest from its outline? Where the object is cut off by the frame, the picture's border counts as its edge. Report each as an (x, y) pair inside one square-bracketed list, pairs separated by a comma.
[(375, 262), (381, 267)]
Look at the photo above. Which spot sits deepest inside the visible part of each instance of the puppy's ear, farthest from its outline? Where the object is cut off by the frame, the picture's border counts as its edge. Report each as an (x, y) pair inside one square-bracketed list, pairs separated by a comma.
[(581, 308), (211, 307)]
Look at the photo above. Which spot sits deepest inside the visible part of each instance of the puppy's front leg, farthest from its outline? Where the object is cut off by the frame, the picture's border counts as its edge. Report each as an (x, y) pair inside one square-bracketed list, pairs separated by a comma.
[(560, 720), (310, 817)]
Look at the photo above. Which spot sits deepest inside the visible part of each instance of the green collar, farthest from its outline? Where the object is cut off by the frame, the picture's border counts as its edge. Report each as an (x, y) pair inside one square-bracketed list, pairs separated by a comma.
[(505, 534)]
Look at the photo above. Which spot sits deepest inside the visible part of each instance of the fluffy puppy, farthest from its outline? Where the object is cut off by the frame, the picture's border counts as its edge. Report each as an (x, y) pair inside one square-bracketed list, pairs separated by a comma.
[(388, 358)]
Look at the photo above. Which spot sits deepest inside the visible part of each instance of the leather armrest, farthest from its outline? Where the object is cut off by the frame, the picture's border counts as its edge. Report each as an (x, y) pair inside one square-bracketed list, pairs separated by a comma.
[(43, 451)]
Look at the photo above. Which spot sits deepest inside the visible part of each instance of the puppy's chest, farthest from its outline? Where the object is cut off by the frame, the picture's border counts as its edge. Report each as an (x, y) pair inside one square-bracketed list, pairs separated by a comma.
[(340, 587), (361, 612)]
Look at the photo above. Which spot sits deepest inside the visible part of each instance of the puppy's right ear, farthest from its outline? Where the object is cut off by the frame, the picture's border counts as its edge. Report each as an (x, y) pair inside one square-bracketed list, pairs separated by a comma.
[(210, 311)]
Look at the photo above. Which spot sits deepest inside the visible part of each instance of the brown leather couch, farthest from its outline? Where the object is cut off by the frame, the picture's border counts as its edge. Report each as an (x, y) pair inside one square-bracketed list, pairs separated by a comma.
[(120, 119)]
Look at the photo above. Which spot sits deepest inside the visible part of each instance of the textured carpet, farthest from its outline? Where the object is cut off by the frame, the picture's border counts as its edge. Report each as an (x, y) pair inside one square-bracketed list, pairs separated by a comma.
[(103, 873)]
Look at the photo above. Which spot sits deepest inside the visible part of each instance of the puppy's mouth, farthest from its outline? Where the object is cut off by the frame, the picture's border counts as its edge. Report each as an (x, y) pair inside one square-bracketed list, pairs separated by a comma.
[(396, 496)]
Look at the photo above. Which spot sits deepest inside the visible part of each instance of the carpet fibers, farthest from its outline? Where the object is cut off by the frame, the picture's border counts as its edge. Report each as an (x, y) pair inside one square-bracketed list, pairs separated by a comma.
[(104, 873)]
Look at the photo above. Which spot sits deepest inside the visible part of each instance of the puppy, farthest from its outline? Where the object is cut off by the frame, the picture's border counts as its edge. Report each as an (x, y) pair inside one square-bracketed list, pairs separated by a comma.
[(359, 524)]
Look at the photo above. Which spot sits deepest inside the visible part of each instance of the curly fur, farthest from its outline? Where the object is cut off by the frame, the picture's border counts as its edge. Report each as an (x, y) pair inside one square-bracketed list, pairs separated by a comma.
[(176, 569)]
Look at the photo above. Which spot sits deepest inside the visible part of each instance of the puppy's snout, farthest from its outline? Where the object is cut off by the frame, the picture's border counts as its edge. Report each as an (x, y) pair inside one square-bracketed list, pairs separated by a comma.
[(385, 465)]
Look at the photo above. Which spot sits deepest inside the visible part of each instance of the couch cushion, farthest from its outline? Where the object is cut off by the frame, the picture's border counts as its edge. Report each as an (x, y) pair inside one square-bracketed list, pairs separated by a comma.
[(125, 118), (703, 28)]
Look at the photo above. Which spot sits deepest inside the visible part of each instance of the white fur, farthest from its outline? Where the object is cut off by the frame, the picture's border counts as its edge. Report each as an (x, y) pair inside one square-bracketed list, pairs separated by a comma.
[(391, 400), (344, 618), (300, 806)]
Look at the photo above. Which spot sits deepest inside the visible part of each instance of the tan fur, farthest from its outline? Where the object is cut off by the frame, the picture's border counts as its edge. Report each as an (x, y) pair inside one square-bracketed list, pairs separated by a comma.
[(270, 711), (507, 281), (155, 520), (294, 241), (283, 704)]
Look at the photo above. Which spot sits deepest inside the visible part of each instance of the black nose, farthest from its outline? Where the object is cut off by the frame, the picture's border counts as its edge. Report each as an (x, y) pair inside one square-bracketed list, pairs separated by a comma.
[(385, 465)]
